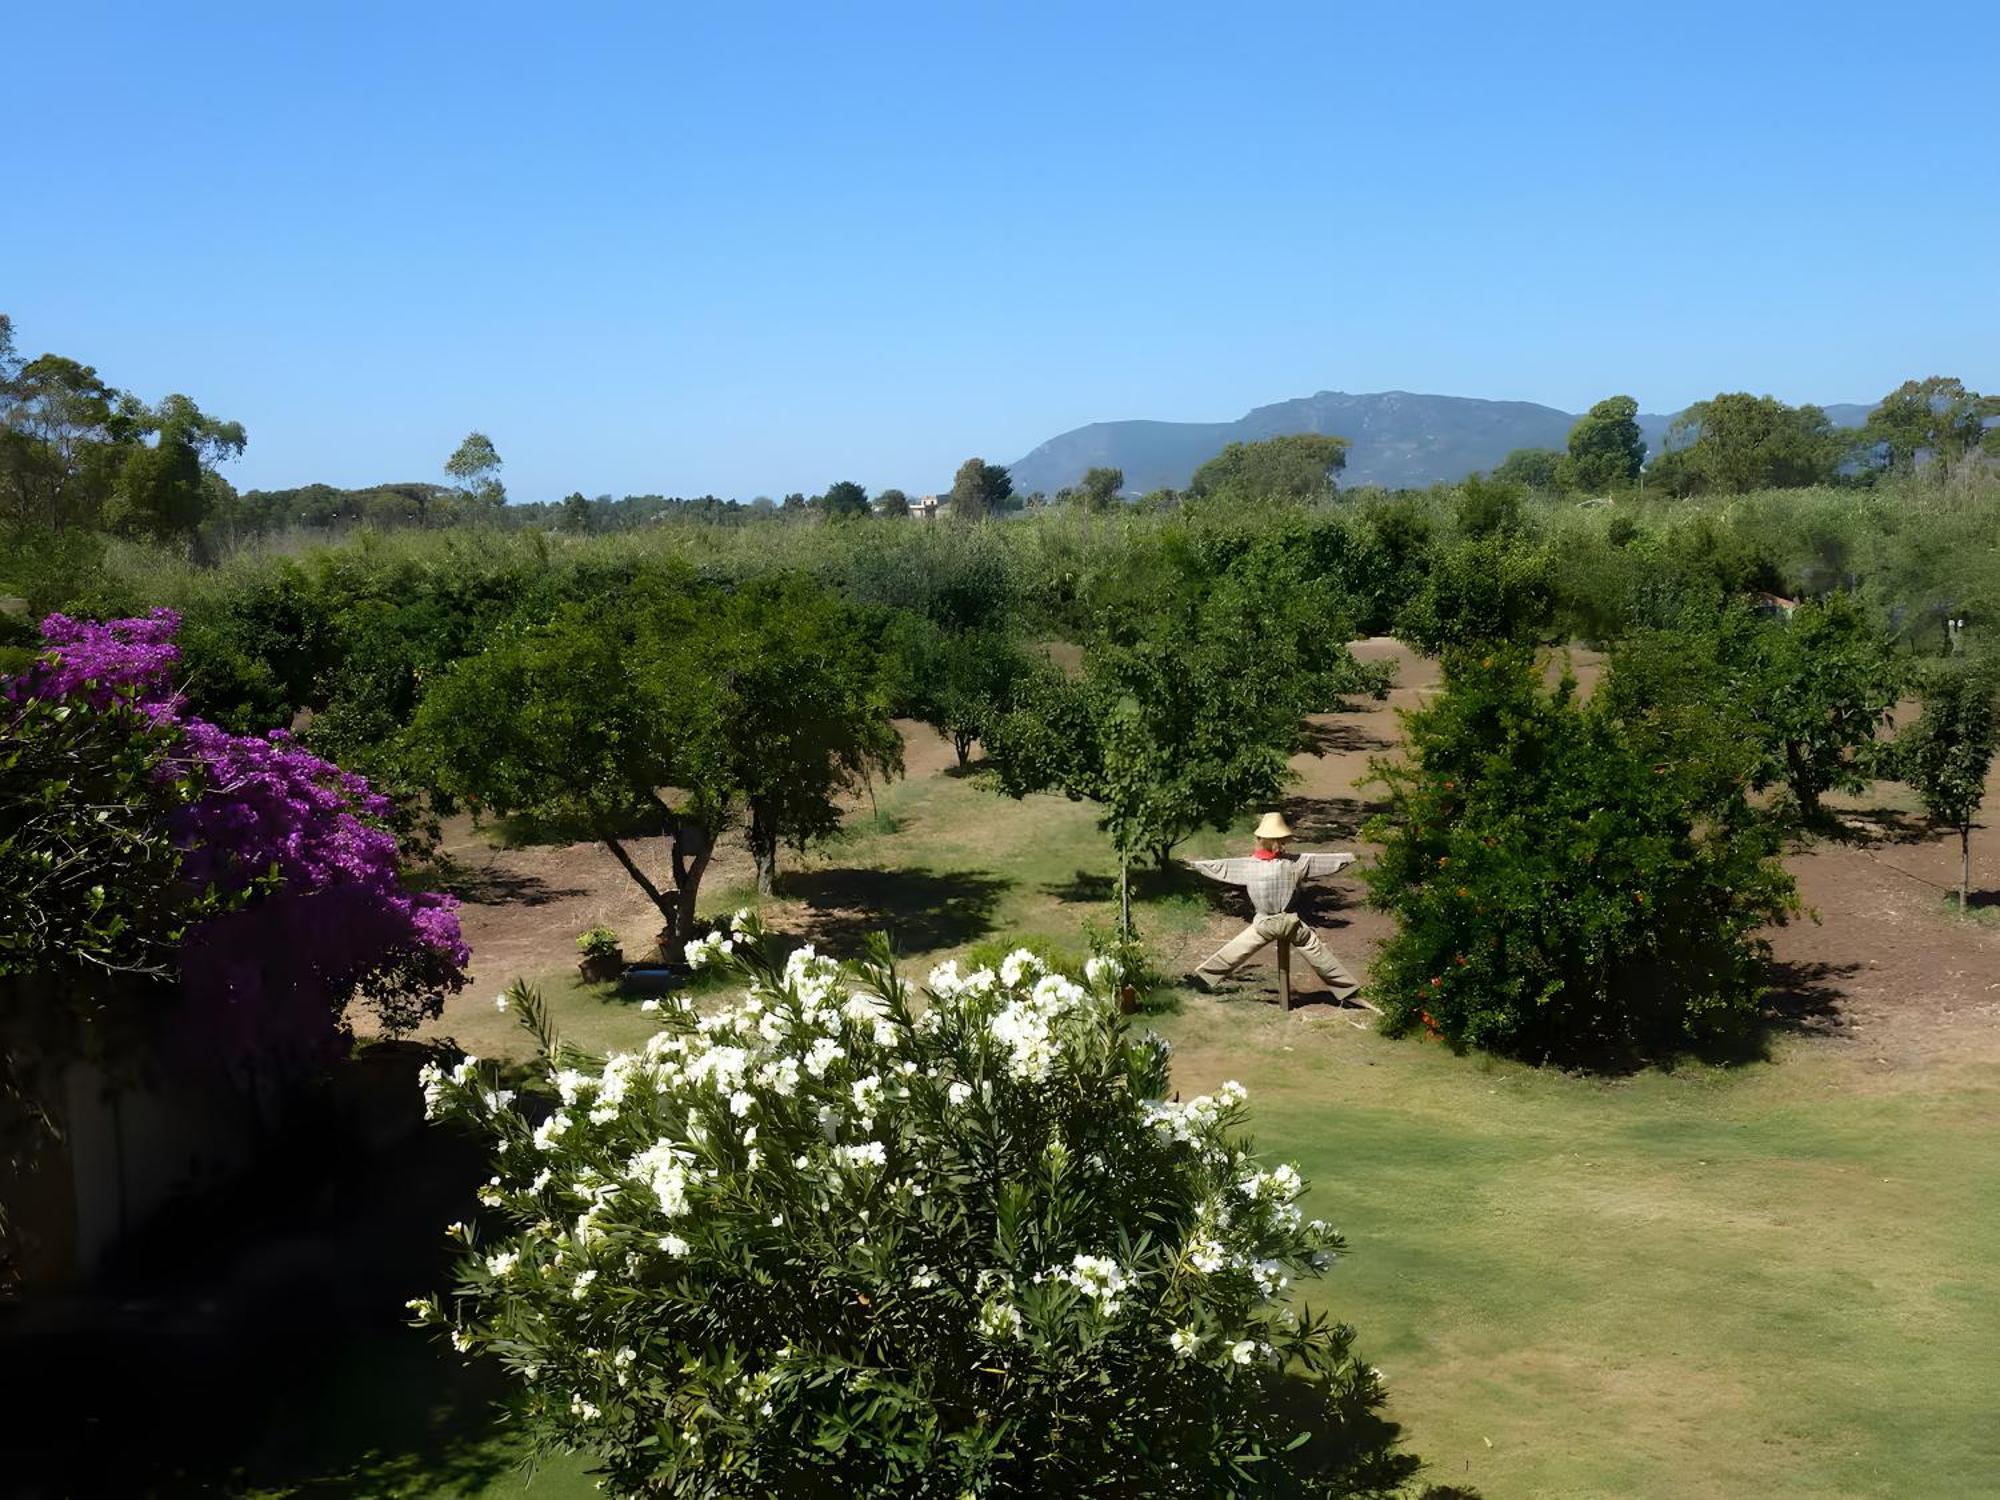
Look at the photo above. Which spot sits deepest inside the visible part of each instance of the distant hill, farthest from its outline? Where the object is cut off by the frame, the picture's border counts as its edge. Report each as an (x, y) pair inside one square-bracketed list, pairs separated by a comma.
[(1400, 440)]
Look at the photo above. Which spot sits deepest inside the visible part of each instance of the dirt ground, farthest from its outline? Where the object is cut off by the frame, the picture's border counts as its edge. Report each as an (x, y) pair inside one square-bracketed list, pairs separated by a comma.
[(1888, 972)]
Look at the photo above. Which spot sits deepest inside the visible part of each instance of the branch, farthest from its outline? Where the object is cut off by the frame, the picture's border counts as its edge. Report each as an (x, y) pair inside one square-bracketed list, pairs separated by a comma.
[(638, 875)]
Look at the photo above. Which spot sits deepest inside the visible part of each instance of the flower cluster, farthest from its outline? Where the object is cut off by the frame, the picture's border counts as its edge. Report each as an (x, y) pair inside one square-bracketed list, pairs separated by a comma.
[(719, 944), (331, 918), (778, 1202), (96, 659)]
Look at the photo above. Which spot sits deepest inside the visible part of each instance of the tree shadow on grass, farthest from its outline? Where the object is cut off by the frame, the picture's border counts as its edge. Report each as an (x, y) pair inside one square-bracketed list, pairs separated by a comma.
[(1804, 998), (1323, 820), (1344, 738), (1150, 882), (495, 887), (1875, 825), (921, 910)]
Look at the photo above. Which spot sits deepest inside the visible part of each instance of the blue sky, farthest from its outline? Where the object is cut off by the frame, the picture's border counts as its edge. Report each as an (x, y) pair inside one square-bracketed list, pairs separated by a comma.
[(748, 248)]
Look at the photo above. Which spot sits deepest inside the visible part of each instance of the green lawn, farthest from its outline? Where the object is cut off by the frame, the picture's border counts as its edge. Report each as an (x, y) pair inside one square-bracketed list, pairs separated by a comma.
[(1772, 1280)]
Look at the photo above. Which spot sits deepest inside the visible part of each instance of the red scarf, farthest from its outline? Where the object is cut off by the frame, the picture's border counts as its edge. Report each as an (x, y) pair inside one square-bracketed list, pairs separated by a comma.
[(1264, 854)]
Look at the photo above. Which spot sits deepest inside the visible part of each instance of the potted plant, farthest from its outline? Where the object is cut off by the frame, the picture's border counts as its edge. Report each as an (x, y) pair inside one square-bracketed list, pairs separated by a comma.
[(602, 957)]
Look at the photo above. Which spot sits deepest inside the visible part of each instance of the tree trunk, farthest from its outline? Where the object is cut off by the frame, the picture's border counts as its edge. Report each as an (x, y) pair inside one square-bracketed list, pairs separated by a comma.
[(1124, 897), (1803, 791), (692, 846), (962, 743), (764, 851), (662, 901), (1964, 866)]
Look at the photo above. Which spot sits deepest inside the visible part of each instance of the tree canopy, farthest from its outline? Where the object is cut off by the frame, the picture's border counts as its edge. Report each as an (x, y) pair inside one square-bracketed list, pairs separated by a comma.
[(1538, 469), (1606, 450), (979, 490), (1300, 466), (1735, 442), (475, 466), (1936, 417), (844, 500), (1098, 489)]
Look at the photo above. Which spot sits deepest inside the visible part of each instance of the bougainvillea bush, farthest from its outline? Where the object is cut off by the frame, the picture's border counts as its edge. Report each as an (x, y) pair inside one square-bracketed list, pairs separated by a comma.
[(836, 1237), (1569, 883), (325, 919)]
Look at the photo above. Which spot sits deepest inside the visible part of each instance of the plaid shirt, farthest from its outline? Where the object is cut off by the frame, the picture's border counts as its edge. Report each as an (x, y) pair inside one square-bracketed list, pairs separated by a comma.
[(1272, 882)]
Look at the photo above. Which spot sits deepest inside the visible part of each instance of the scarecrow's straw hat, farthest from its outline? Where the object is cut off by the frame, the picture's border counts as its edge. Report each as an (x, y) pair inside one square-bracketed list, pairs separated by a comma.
[(1274, 826)]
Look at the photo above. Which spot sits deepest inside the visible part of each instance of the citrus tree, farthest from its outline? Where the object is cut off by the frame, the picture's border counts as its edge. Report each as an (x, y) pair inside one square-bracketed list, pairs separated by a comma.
[(1946, 754), (840, 1236), (1565, 886), (1823, 684)]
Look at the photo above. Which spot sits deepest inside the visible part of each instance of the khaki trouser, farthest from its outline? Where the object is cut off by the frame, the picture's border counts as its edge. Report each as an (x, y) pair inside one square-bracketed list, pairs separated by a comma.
[(1305, 942)]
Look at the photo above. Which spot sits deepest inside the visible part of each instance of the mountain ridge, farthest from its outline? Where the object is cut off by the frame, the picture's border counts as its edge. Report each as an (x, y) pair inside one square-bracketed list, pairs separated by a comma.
[(1401, 439)]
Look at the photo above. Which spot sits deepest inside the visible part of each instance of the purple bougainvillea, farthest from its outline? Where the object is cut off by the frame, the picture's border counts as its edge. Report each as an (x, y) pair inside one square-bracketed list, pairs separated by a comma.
[(330, 921), (96, 658)]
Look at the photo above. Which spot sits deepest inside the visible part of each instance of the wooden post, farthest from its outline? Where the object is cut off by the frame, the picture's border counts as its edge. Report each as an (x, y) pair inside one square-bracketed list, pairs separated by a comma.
[(1285, 975)]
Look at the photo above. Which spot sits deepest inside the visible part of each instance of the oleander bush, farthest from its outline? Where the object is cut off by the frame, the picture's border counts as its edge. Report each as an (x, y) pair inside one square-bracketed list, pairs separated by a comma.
[(838, 1237)]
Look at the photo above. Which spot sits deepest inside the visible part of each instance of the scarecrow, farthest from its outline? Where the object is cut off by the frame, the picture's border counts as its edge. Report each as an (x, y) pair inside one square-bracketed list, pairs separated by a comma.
[(1272, 877)]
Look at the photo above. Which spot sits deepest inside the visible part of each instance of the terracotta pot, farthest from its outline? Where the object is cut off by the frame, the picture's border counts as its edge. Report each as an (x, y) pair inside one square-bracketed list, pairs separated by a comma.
[(600, 967), (1128, 1000)]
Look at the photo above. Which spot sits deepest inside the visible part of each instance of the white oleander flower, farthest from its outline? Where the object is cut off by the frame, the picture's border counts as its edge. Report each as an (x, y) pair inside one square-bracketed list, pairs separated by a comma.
[(1186, 1342), (1206, 1256), (502, 1263), (431, 1078), (1017, 966), (1243, 1351), (1098, 1277), (1000, 1319), (551, 1130), (674, 1245), (867, 1154), (663, 1167), (582, 1287), (958, 1093)]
